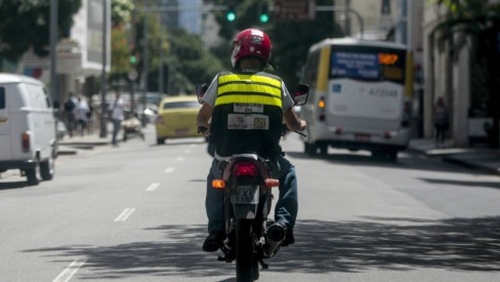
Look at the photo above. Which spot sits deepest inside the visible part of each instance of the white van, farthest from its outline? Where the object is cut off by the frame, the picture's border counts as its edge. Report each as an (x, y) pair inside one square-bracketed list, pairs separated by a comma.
[(28, 139)]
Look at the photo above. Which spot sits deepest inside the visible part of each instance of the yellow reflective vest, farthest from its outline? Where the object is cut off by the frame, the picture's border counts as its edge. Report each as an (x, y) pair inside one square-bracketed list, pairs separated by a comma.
[(248, 115)]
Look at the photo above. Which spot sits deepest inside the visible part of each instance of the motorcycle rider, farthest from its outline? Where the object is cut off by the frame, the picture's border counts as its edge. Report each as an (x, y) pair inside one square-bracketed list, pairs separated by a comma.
[(244, 111)]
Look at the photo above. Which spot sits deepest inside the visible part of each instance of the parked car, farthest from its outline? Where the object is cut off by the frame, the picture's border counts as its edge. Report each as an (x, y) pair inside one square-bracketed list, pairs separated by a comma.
[(28, 139), (177, 118)]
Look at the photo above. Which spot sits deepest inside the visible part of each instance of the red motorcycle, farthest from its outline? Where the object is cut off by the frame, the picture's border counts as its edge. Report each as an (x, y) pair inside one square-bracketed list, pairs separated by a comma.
[(247, 182)]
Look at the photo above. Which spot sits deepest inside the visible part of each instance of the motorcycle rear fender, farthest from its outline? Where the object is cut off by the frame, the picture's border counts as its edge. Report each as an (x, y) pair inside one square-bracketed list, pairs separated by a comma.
[(245, 211)]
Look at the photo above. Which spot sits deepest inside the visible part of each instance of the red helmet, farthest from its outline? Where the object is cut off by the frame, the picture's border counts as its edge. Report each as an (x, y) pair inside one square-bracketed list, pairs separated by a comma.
[(251, 43)]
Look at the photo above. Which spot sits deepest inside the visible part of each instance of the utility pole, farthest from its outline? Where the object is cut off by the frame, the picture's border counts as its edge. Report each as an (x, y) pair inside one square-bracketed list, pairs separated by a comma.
[(104, 127), (145, 76), (161, 72), (53, 51)]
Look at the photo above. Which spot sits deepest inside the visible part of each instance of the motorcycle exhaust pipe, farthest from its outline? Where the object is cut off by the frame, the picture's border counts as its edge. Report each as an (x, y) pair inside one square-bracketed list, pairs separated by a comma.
[(275, 234)]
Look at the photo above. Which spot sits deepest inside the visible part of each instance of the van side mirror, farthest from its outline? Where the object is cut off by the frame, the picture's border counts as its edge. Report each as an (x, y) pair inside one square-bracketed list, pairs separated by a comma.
[(301, 94), (200, 91)]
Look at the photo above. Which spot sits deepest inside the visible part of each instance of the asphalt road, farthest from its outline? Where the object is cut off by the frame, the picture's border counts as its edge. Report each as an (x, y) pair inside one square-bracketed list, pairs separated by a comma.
[(136, 213)]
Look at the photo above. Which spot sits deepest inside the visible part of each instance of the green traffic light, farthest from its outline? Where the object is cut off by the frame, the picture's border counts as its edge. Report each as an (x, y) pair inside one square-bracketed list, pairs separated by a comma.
[(231, 16), (264, 18), (133, 59)]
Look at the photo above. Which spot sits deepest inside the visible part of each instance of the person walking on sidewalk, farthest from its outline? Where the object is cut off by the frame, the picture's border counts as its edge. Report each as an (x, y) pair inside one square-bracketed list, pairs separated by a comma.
[(117, 113), (81, 110), (69, 112), (441, 121)]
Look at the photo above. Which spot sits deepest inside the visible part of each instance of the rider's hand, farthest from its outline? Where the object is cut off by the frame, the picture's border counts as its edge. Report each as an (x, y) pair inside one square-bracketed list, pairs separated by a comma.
[(303, 125), (203, 129)]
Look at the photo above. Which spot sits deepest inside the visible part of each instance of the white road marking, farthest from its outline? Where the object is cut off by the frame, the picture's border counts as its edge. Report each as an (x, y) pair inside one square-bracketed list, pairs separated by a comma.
[(125, 214), (187, 151), (67, 273), (169, 169), (153, 187), (180, 158)]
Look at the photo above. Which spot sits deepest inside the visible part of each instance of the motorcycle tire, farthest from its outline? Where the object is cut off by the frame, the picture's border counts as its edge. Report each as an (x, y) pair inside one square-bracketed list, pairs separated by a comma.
[(244, 251)]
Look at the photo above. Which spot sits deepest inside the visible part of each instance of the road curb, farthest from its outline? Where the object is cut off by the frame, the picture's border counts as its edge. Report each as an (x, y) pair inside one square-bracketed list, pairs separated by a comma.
[(471, 165)]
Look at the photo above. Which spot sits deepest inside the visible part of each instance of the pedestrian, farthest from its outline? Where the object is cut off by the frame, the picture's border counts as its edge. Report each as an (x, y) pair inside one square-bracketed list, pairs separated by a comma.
[(81, 111), (441, 121), (69, 113), (90, 117), (116, 110)]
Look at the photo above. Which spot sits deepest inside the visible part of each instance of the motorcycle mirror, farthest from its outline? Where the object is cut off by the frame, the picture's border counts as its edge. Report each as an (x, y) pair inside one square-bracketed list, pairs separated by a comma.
[(301, 94), (200, 91)]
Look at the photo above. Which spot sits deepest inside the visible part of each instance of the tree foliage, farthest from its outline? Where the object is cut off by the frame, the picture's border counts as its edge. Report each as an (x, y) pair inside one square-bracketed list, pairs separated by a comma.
[(477, 22), (25, 24), (121, 45), (189, 62)]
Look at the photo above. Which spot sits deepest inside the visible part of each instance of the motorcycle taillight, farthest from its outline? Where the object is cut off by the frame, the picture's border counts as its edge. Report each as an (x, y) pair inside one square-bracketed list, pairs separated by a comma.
[(245, 169)]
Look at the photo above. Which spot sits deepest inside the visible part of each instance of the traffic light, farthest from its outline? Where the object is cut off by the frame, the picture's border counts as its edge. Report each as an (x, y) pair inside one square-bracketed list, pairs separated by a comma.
[(133, 59), (230, 13), (264, 12)]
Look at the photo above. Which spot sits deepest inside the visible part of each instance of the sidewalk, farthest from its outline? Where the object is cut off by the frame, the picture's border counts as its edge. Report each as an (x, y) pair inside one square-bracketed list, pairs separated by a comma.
[(484, 159), (71, 145)]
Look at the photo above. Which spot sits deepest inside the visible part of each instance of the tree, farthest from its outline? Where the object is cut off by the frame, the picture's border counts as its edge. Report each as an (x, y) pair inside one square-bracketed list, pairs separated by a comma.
[(189, 62), (25, 25), (476, 22), (121, 44)]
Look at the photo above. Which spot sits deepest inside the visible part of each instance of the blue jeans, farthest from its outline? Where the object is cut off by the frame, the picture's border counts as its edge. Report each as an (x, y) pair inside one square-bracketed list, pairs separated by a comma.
[(286, 207)]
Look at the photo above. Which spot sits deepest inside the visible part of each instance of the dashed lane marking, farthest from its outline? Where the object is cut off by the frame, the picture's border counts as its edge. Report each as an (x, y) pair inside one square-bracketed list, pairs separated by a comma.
[(169, 170), (125, 214), (152, 187), (180, 158), (67, 273)]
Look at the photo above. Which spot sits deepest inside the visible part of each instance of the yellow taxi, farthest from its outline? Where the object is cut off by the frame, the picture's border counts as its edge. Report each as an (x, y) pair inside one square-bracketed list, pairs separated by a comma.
[(177, 118)]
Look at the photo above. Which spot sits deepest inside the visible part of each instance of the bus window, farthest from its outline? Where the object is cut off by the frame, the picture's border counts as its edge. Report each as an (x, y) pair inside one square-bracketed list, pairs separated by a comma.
[(312, 69), (368, 63)]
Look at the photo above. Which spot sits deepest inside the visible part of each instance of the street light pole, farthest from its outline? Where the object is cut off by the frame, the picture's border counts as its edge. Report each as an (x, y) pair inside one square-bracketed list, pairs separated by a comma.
[(104, 128), (53, 51), (145, 75)]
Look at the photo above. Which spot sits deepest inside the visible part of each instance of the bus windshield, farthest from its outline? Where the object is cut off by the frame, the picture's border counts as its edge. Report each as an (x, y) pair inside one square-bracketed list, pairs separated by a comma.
[(368, 63)]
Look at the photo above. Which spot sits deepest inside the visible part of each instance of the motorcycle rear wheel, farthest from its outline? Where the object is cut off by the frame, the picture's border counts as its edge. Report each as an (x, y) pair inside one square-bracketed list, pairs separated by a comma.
[(246, 263)]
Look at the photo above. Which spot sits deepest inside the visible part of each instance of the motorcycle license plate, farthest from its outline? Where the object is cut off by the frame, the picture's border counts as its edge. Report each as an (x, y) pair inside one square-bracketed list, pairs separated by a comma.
[(247, 194)]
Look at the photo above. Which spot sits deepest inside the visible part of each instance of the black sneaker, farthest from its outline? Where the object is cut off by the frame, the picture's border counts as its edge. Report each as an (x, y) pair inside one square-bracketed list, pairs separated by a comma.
[(289, 239), (213, 242)]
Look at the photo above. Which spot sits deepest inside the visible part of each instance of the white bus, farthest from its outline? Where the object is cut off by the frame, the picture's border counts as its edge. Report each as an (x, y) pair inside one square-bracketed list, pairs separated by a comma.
[(360, 97)]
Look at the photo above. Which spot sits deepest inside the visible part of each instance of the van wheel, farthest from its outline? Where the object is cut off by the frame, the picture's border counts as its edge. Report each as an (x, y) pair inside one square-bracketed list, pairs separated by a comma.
[(47, 169), (323, 150), (310, 149), (32, 176), (160, 141)]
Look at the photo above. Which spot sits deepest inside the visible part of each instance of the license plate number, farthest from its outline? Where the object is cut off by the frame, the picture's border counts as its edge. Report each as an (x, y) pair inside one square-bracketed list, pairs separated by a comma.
[(362, 137), (245, 195)]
